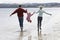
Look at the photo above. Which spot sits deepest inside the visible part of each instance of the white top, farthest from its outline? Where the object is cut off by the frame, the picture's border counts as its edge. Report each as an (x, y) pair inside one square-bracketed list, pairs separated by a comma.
[(41, 13)]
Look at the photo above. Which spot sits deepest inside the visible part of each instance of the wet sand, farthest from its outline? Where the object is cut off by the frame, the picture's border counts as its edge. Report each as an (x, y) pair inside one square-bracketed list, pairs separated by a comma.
[(10, 30)]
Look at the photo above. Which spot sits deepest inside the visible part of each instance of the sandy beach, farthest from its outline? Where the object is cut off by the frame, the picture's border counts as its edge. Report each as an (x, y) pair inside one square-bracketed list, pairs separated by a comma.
[(10, 30)]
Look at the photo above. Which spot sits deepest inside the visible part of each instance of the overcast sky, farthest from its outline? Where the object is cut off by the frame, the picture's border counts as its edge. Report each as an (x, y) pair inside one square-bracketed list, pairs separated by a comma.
[(28, 1)]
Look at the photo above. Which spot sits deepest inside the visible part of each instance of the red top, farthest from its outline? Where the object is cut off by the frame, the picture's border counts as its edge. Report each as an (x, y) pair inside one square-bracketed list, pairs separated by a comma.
[(19, 12)]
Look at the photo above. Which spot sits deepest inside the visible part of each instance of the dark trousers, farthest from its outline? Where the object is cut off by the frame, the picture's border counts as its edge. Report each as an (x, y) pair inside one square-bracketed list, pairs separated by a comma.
[(20, 21), (39, 22)]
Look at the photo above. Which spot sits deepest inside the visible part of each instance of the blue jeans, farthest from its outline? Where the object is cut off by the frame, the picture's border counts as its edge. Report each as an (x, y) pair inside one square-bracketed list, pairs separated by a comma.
[(20, 21)]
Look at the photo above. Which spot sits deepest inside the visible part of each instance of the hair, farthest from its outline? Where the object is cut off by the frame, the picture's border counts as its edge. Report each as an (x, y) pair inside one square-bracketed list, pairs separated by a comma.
[(19, 5), (41, 7)]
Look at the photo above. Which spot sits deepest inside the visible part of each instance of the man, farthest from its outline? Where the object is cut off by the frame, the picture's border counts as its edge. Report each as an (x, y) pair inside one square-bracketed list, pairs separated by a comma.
[(40, 17), (20, 15)]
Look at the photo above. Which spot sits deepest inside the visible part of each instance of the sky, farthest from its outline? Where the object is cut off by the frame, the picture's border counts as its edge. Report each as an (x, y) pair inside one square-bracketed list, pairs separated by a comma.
[(28, 1)]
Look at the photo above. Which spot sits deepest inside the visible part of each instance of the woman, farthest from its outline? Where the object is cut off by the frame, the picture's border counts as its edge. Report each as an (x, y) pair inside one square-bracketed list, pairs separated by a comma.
[(40, 11)]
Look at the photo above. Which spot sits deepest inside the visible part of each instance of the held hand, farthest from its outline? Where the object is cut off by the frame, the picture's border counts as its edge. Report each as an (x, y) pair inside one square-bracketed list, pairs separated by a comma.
[(49, 14), (10, 15), (33, 12), (26, 9)]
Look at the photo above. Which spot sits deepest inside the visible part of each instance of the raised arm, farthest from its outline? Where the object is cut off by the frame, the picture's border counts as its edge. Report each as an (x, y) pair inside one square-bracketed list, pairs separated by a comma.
[(25, 11), (14, 12), (33, 13), (47, 13), (37, 11)]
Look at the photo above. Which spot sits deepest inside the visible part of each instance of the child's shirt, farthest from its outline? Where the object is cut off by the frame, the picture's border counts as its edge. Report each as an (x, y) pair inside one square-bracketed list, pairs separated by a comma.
[(28, 16)]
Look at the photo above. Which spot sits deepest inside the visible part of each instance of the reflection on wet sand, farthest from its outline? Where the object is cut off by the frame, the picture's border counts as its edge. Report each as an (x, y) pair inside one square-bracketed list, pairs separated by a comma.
[(21, 36), (30, 37), (40, 35), (25, 35)]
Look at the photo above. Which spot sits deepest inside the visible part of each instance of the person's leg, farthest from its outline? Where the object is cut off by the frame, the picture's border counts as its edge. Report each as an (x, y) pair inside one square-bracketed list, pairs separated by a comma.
[(21, 23), (38, 24), (30, 21), (40, 21)]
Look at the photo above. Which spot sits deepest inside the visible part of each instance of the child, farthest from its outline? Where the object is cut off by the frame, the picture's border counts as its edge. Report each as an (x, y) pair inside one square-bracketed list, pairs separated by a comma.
[(28, 17)]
